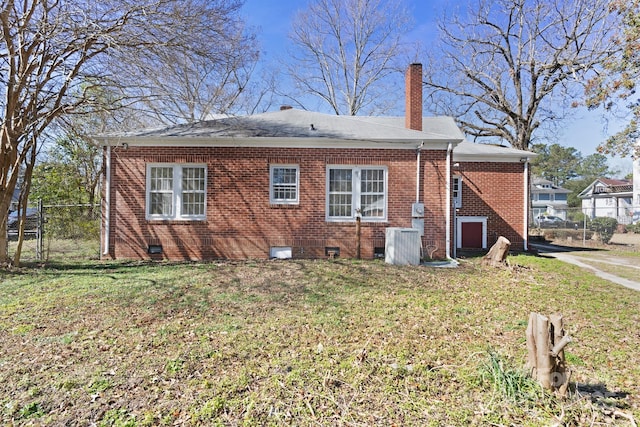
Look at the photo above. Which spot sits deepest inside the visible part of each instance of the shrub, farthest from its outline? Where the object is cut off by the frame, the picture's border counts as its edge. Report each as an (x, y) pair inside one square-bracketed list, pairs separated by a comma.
[(634, 228), (578, 217), (605, 227), (72, 222)]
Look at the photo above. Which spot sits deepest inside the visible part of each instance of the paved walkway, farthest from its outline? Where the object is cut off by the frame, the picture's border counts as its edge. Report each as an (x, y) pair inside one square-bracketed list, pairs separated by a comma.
[(566, 255)]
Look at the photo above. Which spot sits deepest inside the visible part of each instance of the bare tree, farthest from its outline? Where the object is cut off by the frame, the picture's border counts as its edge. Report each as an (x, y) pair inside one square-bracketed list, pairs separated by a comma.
[(615, 86), (343, 50), (53, 52), (208, 75), (513, 66)]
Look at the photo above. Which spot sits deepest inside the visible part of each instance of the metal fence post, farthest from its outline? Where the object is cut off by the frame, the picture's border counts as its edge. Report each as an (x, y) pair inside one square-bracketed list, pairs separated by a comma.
[(40, 232)]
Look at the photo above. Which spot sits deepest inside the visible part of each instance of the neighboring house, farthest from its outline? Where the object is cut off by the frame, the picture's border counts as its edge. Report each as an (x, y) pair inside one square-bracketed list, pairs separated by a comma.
[(293, 184), (607, 197), (547, 198)]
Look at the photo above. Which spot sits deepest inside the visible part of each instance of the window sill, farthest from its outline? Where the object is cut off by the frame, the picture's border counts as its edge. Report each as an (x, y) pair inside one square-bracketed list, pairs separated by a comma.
[(284, 205), (176, 220), (353, 221)]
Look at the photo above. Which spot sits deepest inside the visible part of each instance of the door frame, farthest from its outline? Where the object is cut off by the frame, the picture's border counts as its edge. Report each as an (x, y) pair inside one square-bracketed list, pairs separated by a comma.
[(461, 219)]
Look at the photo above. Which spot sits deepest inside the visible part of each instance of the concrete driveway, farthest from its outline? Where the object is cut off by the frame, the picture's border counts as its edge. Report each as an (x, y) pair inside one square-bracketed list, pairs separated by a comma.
[(572, 256)]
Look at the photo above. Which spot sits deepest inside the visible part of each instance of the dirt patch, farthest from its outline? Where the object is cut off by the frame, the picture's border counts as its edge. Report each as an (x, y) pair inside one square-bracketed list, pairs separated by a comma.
[(626, 239)]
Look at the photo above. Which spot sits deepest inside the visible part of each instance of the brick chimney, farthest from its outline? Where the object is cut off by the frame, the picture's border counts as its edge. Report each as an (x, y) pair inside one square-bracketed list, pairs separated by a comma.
[(413, 97)]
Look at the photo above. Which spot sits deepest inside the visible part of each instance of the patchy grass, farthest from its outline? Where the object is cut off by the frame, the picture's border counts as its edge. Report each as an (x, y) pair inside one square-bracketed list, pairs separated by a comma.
[(59, 250), (630, 272), (615, 260), (308, 343)]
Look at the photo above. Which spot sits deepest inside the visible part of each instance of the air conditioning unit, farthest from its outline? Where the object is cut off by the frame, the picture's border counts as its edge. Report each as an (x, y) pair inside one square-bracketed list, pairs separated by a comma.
[(402, 246)]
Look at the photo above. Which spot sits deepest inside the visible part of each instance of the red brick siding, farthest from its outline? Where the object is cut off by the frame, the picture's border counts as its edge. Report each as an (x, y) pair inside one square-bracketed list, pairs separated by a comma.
[(241, 223), (495, 190), (413, 97), (434, 196)]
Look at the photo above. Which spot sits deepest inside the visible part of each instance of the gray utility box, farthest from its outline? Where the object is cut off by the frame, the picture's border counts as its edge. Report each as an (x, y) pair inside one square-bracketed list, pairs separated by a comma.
[(402, 246)]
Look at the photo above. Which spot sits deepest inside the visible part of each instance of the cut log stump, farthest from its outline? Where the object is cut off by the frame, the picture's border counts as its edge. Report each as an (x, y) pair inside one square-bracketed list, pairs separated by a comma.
[(546, 340), (497, 255)]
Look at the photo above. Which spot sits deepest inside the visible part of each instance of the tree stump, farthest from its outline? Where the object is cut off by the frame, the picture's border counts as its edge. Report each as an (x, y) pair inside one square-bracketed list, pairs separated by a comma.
[(546, 340), (497, 255)]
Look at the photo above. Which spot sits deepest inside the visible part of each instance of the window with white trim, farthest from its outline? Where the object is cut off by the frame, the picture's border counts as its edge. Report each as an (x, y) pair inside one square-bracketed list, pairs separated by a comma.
[(457, 191), (353, 191), (176, 191), (284, 184)]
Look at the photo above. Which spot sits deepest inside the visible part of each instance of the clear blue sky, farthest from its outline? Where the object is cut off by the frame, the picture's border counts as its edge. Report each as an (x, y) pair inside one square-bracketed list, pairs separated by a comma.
[(272, 20)]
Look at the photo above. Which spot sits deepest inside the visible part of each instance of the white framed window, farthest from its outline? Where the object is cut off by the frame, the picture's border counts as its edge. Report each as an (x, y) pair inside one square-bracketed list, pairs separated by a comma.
[(176, 191), (457, 191), (353, 191), (284, 184)]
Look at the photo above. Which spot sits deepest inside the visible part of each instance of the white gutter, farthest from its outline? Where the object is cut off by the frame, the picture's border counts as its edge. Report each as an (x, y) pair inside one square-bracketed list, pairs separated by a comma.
[(525, 219), (107, 201), (418, 151), (448, 203), (274, 142)]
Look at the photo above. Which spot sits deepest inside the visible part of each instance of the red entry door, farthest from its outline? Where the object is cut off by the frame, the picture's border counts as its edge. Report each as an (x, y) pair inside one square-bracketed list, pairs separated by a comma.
[(472, 235)]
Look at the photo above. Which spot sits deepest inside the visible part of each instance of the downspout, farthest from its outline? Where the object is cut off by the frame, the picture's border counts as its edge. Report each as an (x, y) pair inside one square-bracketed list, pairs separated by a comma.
[(107, 201), (418, 157), (418, 151), (448, 203), (525, 218)]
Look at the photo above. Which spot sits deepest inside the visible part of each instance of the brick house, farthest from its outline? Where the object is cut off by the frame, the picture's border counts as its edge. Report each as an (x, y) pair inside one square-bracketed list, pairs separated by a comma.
[(292, 183), (490, 186)]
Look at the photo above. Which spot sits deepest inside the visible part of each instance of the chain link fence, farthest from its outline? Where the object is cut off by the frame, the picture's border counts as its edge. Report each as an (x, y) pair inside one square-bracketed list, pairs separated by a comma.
[(56, 232), (586, 224), (561, 217)]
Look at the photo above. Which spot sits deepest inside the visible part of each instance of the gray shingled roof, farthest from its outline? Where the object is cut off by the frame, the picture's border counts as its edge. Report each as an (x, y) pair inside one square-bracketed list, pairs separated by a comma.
[(276, 128), (294, 123), (470, 151)]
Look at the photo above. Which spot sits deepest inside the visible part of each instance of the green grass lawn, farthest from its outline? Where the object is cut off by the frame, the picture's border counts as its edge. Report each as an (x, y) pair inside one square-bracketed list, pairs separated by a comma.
[(308, 343), (58, 250)]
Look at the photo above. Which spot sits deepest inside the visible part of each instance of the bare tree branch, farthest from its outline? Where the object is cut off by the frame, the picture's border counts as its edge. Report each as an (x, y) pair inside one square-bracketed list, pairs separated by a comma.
[(53, 52), (511, 66), (615, 87), (344, 51)]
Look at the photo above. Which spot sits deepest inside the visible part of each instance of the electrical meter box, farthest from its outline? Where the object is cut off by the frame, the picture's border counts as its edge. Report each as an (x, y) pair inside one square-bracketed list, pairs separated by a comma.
[(417, 210)]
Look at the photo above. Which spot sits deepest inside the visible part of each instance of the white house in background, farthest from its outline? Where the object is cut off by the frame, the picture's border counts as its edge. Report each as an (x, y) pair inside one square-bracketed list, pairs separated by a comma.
[(607, 197), (547, 198)]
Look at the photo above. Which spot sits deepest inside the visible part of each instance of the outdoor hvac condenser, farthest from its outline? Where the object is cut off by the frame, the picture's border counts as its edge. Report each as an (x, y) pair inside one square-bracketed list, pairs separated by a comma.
[(402, 246)]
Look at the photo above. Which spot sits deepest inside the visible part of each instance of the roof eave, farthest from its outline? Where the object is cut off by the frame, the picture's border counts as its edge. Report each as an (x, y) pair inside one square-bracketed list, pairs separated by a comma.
[(496, 158), (275, 142)]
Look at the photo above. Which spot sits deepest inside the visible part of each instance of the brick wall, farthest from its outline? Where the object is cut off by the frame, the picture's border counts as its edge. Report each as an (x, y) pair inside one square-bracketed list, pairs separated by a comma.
[(241, 222), (495, 190), (413, 97)]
